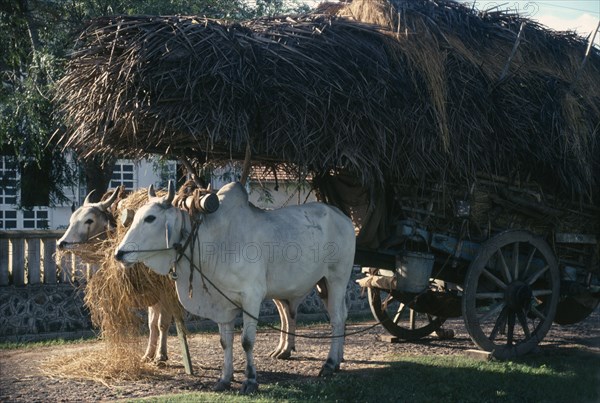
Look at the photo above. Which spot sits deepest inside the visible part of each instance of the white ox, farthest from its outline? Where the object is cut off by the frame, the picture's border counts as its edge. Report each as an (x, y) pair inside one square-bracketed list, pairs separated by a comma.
[(91, 222), (248, 254)]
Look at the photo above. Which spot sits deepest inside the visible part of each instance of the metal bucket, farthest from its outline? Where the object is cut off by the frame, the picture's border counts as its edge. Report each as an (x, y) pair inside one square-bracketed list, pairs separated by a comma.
[(413, 270)]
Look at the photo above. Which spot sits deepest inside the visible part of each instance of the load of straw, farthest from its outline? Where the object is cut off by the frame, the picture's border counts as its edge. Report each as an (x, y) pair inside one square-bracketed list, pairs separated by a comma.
[(391, 91), (114, 296)]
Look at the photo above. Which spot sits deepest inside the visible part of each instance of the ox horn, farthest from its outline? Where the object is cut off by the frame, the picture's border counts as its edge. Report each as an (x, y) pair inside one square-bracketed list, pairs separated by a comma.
[(87, 201), (170, 194), (151, 192), (107, 203)]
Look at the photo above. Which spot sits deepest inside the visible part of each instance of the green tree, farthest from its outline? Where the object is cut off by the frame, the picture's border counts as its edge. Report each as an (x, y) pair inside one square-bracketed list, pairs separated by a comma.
[(35, 37)]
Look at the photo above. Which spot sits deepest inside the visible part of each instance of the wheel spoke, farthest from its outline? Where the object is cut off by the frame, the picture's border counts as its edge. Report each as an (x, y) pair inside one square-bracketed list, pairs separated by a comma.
[(401, 308), (539, 293), (537, 275), (511, 328), (523, 322), (386, 301), (495, 279), (500, 322), (529, 260), (494, 310), (516, 260), (489, 295), (505, 269), (413, 318), (537, 313)]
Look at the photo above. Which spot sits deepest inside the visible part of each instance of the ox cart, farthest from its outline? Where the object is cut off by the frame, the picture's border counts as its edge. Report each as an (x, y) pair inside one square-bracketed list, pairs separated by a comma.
[(408, 100), (506, 257)]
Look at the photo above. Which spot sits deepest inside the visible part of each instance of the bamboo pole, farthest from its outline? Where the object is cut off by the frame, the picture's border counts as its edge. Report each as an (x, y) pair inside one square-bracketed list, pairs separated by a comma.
[(587, 54), (247, 165), (512, 53), (185, 350)]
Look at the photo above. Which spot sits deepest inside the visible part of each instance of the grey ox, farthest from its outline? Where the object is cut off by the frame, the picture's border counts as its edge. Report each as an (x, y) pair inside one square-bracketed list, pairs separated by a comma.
[(91, 222), (249, 255)]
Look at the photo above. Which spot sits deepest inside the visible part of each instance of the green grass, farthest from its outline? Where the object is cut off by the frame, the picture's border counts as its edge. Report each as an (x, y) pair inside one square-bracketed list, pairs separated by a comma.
[(566, 376), (45, 343)]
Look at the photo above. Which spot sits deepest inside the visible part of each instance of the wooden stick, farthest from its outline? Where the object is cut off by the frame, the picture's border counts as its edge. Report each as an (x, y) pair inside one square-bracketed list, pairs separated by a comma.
[(247, 165), (185, 350), (512, 53), (587, 54), (190, 169)]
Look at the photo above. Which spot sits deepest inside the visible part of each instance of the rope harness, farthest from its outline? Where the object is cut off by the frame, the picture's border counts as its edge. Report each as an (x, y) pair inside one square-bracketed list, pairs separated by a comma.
[(190, 241)]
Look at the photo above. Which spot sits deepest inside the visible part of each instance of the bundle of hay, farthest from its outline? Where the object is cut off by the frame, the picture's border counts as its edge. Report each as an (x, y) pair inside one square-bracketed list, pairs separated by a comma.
[(115, 296)]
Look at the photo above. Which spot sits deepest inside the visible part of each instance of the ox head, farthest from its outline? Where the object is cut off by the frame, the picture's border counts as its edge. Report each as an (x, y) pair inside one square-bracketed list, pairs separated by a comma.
[(156, 227), (89, 221)]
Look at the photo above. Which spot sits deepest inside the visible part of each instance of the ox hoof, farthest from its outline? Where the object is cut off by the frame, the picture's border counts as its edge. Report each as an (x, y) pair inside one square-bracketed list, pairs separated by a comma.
[(160, 360), (249, 387), (327, 371), (281, 354), (160, 363), (146, 359), (221, 386)]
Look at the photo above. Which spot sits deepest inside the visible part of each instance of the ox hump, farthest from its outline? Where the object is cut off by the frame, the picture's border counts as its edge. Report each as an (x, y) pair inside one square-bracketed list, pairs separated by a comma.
[(233, 195)]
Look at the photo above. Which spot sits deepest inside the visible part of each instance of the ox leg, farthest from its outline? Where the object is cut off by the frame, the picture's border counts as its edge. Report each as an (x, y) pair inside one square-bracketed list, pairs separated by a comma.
[(338, 312), (226, 338), (250, 385), (153, 317), (164, 322), (287, 340)]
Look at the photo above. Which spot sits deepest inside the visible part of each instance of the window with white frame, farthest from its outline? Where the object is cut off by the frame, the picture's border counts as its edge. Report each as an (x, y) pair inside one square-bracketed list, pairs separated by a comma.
[(35, 219), (8, 181), (123, 174), (8, 192), (8, 219)]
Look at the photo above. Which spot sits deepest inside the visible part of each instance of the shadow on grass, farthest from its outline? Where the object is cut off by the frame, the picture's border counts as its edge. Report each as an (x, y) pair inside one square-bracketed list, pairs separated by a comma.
[(570, 375)]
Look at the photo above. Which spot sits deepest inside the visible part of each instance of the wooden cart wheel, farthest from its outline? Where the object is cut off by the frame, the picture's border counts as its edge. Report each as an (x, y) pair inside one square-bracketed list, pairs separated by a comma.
[(398, 319), (510, 294)]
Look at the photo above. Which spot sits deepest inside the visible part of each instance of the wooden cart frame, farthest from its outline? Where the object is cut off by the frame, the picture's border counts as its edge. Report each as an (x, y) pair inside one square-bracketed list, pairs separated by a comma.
[(508, 284)]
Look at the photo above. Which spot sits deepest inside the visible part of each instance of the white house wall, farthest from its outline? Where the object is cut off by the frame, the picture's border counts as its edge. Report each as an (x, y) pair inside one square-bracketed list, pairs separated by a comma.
[(144, 175)]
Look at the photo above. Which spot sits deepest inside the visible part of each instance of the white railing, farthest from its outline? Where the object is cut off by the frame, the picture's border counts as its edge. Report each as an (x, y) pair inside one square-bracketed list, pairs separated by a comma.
[(27, 257)]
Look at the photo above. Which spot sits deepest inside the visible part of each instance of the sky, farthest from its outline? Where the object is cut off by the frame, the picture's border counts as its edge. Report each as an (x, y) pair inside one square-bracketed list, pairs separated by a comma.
[(575, 15), (580, 16)]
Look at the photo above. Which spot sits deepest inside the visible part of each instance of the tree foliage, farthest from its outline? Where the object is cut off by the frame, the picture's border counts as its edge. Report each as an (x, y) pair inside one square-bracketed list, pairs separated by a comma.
[(35, 38)]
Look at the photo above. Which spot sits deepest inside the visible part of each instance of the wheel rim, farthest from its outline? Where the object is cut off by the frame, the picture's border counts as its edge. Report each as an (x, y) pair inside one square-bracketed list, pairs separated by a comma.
[(511, 293), (398, 319)]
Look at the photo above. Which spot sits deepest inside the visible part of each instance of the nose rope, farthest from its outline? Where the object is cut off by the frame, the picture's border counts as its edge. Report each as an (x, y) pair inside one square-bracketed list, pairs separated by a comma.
[(87, 238)]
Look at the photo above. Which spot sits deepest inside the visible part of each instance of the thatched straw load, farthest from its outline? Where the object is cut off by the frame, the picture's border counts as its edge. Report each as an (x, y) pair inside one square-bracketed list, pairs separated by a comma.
[(431, 92)]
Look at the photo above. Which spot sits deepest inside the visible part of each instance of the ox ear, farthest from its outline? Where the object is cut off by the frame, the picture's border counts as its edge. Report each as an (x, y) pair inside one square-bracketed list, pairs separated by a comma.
[(87, 201), (151, 192), (107, 203), (170, 194), (209, 203)]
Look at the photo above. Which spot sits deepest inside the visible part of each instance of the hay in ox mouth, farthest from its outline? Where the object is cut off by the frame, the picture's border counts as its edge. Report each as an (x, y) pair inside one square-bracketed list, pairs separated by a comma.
[(115, 297)]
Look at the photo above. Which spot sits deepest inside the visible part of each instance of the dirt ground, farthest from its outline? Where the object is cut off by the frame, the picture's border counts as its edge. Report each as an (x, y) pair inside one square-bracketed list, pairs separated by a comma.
[(23, 378)]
